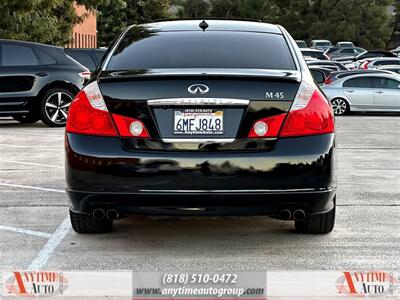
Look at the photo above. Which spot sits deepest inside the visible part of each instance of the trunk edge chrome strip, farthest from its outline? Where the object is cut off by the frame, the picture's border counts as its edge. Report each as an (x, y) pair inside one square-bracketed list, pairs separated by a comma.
[(198, 101)]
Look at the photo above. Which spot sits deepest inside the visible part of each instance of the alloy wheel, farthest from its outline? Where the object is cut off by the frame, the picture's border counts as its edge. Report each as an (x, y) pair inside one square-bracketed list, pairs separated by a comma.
[(56, 107), (339, 106)]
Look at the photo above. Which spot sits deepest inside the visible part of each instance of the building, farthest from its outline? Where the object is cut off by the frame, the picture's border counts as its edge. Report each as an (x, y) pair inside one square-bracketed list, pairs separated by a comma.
[(85, 33)]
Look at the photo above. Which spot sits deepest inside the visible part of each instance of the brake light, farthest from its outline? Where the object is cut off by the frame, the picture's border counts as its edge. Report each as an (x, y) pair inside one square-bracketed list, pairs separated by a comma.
[(268, 127), (310, 114), (129, 127)]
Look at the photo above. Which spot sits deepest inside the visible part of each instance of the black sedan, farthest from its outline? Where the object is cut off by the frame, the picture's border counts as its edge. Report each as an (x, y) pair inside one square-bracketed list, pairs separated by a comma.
[(38, 82), (201, 118)]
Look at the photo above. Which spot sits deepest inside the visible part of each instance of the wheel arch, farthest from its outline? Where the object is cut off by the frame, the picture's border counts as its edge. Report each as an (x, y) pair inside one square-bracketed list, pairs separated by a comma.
[(58, 84)]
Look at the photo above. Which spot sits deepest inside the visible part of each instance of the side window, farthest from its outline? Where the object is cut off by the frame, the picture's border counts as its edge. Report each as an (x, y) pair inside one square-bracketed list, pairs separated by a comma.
[(83, 58), (45, 59), (17, 55), (347, 51), (385, 83), (358, 83), (387, 62)]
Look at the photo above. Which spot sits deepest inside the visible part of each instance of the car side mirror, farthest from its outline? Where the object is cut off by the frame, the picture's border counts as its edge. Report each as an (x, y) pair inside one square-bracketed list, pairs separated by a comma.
[(354, 59), (319, 76)]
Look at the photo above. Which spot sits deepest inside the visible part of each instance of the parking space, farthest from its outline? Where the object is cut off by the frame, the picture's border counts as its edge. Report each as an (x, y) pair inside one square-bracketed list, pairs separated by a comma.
[(35, 233)]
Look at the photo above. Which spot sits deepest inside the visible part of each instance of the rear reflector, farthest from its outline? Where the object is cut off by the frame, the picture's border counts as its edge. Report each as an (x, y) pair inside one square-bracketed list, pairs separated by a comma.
[(310, 114), (268, 127), (89, 115), (129, 127)]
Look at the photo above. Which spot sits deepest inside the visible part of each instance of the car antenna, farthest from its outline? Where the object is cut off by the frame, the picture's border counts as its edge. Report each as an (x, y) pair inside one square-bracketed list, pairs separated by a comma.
[(203, 25)]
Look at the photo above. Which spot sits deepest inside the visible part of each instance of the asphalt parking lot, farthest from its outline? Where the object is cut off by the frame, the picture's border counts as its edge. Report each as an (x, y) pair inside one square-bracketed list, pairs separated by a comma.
[(35, 231)]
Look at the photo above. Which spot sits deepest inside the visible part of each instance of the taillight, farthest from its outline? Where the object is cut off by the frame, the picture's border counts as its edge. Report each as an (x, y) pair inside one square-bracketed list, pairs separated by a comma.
[(89, 115), (267, 127), (310, 114), (328, 80), (364, 65)]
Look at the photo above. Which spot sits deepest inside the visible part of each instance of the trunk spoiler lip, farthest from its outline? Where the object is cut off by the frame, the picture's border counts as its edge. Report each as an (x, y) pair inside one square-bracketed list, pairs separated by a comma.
[(290, 75)]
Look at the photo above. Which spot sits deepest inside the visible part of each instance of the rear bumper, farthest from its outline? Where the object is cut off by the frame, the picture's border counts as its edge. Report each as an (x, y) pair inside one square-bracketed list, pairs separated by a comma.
[(294, 173), (221, 203)]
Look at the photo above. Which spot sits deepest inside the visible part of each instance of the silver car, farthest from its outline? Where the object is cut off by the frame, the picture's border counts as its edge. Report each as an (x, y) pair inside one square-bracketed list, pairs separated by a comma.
[(364, 92)]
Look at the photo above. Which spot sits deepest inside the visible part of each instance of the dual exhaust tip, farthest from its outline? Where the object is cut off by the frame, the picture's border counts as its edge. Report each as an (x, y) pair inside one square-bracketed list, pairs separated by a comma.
[(297, 215), (110, 214)]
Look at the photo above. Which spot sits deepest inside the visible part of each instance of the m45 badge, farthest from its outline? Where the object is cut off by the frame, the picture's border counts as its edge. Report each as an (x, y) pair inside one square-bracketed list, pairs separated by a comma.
[(275, 95)]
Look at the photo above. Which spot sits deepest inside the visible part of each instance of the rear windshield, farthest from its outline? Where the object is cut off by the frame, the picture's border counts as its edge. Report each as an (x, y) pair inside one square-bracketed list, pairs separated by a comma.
[(323, 43), (315, 54), (196, 49)]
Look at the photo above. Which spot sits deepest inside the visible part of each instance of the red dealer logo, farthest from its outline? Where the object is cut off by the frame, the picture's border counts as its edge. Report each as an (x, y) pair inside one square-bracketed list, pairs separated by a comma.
[(36, 284), (366, 284)]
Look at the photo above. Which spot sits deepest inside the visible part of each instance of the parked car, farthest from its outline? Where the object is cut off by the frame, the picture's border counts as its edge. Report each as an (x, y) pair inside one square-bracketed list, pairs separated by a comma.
[(320, 44), (342, 74), (394, 68), (337, 52), (312, 54), (88, 57), (301, 43), (396, 50), (374, 63), (319, 74), (345, 45), (185, 133), (364, 92), (359, 59), (37, 82), (328, 64)]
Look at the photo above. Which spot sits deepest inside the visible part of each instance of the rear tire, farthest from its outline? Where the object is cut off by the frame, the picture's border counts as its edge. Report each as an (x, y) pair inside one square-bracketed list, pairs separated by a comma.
[(26, 119), (82, 223), (54, 107), (317, 224)]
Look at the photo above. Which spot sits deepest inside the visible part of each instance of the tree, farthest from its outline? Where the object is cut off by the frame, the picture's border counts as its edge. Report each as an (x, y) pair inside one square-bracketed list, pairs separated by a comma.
[(196, 9), (395, 39), (43, 21), (365, 22), (115, 15), (111, 20)]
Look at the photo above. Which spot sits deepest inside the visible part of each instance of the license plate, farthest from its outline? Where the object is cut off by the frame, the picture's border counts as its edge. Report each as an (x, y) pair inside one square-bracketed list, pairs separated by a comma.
[(198, 122)]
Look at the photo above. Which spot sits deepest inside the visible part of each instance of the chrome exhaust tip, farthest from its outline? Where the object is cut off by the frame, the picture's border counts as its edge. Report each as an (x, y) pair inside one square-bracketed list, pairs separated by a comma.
[(299, 215), (99, 214), (112, 214), (285, 214)]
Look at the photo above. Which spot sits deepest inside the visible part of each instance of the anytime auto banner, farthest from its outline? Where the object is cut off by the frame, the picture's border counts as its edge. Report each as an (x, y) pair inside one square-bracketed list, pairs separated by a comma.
[(201, 285)]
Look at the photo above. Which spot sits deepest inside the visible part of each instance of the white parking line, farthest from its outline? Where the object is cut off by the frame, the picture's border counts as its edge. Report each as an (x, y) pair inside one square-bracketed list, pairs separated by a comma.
[(46, 134), (30, 147), (43, 256), (32, 187), (26, 231), (31, 164)]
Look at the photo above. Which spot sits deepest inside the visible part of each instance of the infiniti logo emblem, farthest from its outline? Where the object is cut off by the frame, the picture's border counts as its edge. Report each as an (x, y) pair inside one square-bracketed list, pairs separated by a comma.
[(198, 88)]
